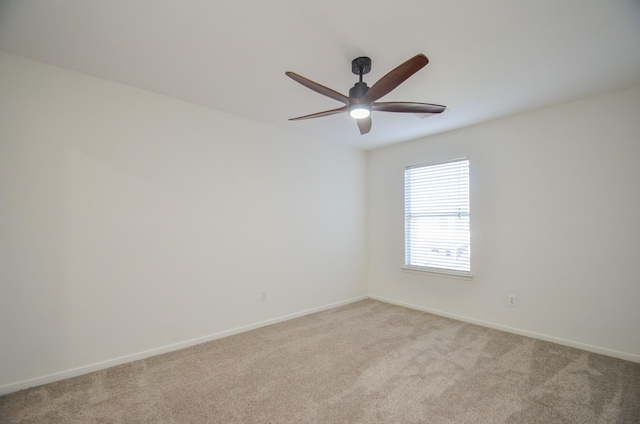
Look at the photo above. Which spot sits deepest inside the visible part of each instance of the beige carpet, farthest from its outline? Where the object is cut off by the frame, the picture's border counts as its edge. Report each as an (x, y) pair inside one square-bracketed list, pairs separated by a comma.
[(368, 362)]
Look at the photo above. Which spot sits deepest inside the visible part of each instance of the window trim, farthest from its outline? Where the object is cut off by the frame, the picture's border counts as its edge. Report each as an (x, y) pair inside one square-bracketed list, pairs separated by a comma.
[(439, 272), (442, 272)]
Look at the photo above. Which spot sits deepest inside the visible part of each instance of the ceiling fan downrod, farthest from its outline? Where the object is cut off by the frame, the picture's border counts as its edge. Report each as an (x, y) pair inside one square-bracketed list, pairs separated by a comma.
[(360, 66)]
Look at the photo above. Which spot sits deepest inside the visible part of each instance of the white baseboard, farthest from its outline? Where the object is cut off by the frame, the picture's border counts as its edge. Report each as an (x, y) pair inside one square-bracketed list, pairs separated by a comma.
[(50, 378), (75, 372), (564, 342)]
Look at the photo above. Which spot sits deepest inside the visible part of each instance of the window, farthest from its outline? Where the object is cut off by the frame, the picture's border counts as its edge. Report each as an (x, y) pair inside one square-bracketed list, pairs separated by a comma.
[(437, 232)]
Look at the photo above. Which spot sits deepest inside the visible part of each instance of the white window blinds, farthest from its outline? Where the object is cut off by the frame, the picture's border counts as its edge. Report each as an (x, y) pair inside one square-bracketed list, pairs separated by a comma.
[(437, 232)]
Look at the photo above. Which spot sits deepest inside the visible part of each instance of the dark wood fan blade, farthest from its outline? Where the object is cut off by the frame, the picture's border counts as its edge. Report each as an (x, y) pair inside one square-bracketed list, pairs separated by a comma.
[(318, 88), (320, 114), (396, 77), (364, 124), (409, 107)]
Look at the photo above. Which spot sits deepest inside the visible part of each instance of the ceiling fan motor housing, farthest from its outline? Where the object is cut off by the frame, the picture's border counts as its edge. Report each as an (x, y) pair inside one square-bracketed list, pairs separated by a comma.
[(358, 90)]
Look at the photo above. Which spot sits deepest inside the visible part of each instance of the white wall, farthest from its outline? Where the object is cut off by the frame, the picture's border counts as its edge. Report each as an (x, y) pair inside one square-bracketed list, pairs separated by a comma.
[(131, 222), (555, 205)]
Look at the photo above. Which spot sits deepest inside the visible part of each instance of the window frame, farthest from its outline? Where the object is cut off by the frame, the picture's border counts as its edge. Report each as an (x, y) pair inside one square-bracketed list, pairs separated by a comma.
[(442, 271)]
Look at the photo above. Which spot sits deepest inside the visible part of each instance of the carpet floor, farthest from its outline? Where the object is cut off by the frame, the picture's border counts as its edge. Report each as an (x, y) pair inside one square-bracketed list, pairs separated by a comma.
[(367, 362)]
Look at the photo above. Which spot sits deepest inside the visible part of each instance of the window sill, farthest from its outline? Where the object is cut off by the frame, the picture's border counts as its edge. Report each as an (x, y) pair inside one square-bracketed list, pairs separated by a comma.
[(440, 273)]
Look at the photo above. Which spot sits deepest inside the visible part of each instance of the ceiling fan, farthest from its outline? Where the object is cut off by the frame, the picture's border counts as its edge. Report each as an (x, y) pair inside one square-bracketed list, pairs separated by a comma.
[(362, 99)]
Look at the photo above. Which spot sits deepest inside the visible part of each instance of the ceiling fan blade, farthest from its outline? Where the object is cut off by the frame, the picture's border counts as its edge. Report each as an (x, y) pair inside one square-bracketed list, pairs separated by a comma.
[(320, 114), (364, 124), (318, 88), (409, 107), (396, 77)]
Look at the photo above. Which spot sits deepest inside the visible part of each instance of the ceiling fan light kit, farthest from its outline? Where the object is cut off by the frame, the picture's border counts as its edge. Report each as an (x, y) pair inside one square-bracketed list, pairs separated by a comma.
[(359, 110), (362, 99)]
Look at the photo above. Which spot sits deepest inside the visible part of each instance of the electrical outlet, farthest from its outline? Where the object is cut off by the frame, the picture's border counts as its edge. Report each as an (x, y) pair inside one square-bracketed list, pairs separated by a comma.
[(511, 300), (263, 295)]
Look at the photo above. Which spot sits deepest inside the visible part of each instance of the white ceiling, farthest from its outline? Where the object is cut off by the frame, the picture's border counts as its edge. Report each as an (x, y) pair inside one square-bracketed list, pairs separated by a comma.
[(488, 58)]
